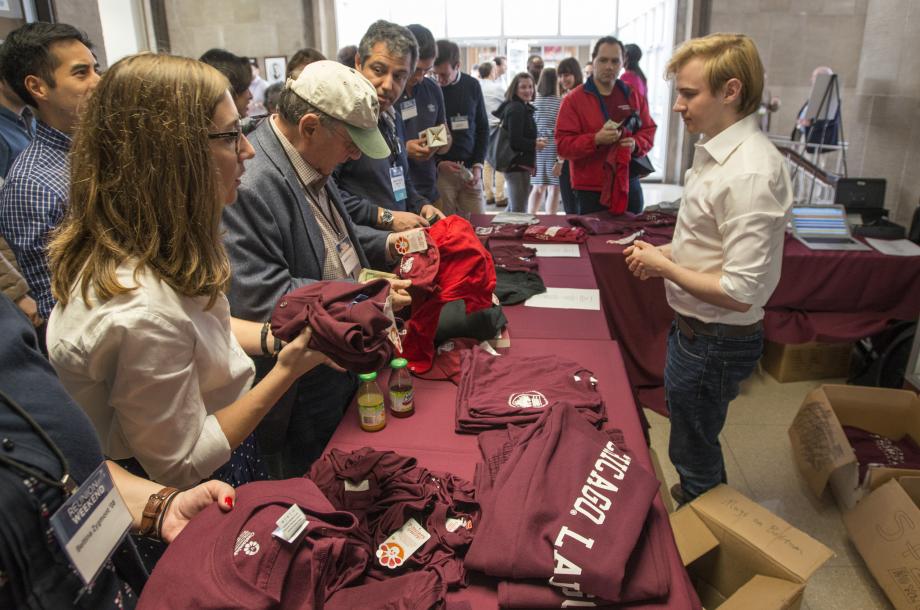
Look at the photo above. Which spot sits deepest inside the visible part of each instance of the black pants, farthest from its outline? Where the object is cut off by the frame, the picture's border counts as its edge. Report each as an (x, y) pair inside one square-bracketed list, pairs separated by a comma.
[(565, 188), (589, 201)]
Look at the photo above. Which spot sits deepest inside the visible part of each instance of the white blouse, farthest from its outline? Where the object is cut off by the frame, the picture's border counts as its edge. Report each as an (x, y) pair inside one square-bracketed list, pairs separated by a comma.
[(150, 367)]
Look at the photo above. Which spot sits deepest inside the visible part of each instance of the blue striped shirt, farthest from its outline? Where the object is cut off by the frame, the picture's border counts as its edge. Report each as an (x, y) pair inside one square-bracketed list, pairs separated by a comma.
[(32, 202)]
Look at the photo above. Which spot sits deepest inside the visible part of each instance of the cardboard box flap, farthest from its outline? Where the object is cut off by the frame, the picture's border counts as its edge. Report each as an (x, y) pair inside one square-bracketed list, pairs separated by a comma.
[(764, 593), (911, 486), (692, 536), (883, 527), (891, 413), (791, 551), (818, 442)]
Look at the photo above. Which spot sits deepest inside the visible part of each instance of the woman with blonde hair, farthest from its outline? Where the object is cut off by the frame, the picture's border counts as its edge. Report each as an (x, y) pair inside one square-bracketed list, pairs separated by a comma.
[(141, 335)]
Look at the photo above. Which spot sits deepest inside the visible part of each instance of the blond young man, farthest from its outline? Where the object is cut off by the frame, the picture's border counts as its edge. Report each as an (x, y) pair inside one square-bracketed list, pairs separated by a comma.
[(724, 261)]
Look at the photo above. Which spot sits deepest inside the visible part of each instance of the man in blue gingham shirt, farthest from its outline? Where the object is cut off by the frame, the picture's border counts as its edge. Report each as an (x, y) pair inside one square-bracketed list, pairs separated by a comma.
[(51, 67)]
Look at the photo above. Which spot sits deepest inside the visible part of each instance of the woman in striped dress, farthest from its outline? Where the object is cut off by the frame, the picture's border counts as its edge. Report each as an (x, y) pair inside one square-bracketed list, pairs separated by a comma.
[(545, 181)]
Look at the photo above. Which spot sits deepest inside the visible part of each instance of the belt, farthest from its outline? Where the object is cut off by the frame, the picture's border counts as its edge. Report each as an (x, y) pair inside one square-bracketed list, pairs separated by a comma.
[(691, 327)]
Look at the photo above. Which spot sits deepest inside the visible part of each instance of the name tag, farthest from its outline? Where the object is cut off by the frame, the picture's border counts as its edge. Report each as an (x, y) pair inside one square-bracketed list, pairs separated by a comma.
[(409, 109), (348, 256), (398, 182), (459, 122), (92, 523)]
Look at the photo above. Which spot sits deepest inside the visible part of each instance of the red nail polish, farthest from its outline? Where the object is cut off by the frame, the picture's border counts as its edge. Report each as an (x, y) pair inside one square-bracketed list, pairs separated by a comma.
[(228, 501)]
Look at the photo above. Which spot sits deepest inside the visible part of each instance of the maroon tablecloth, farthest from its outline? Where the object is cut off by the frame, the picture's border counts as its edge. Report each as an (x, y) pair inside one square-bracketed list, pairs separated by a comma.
[(429, 436), (822, 296)]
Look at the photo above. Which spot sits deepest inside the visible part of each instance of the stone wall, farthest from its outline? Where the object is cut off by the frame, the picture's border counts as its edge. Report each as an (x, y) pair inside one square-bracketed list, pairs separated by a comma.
[(874, 46)]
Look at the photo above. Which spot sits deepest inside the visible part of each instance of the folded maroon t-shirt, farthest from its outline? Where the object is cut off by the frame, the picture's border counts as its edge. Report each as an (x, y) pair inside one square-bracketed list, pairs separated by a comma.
[(446, 363), (348, 321), (498, 390), (568, 504), (514, 257), (871, 448), (384, 490), (232, 560), (556, 234)]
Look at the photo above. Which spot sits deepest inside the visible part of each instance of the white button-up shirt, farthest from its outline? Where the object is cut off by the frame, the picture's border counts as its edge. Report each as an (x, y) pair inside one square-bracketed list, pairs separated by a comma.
[(732, 220), (150, 367)]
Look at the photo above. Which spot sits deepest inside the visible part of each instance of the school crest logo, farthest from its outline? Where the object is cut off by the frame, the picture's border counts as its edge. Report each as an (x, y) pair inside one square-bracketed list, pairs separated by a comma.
[(406, 265), (527, 400)]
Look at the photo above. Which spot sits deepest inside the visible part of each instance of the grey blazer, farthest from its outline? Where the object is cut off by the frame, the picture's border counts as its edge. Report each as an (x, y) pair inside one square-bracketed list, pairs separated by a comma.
[(272, 237)]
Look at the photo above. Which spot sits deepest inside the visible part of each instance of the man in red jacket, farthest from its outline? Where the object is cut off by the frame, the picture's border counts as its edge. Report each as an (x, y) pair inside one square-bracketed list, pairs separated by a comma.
[(585, 135)]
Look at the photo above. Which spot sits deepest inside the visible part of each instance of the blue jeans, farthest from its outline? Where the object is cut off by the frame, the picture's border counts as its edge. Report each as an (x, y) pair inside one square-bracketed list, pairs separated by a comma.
[(701, 376)]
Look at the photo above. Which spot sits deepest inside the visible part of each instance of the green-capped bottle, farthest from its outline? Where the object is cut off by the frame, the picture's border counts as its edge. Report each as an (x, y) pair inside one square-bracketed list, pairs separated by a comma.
[(372, 412), (402, 393)]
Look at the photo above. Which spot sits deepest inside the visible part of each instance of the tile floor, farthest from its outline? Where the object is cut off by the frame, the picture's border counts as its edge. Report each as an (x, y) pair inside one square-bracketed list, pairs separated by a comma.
[(760, 465)]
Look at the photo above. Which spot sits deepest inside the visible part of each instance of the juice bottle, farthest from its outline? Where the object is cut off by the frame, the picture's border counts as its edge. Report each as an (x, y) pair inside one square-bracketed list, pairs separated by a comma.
[(371, 410), (402, 394)]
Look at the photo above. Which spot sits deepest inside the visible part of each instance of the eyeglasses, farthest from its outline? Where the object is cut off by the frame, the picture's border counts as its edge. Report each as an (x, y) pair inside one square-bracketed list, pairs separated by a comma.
[(236, 136), (343, 135)]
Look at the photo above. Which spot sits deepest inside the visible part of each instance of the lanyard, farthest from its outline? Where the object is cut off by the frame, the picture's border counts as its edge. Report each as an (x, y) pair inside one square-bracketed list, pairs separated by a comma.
[(66, 484)]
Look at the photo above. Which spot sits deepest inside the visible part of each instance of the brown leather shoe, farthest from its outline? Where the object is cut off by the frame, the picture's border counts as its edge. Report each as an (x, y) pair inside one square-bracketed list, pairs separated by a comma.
[(677, 492)]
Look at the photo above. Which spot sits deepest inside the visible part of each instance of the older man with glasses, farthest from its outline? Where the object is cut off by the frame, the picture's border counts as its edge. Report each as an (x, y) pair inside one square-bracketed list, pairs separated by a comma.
[(289, 228)]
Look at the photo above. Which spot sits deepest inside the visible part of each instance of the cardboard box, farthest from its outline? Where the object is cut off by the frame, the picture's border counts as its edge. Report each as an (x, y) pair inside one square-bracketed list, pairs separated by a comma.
[(741, 556), (885, 528), (821, 449), (663, 490), (806, 361)]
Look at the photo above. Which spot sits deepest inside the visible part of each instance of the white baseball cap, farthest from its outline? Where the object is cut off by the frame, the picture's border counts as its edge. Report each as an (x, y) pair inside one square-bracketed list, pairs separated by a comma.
[(344, 94)]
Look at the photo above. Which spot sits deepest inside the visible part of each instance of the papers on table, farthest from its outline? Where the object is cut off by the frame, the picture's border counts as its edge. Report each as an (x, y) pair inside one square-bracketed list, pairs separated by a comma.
[(556, 250), (894, 247), (514, 218), (567, 298)]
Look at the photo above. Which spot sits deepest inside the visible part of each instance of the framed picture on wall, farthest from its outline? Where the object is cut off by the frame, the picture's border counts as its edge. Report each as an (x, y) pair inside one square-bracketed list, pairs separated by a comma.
[(10, 10), (275, 69)]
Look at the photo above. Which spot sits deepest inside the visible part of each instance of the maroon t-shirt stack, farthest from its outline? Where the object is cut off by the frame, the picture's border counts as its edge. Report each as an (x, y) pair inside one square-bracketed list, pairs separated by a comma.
[(384, 490), (514, 257), (232, 560), (348, 321), (502, 231), (872, 448), (556, 234), (495, 391), (571, 505)]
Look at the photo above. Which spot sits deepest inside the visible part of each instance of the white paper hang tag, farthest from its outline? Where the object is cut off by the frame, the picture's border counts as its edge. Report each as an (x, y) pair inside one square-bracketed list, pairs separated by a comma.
[(454, 523), (291, 524), (551, 231), (625, 241), (92, 523), (411, 241), (399, 546), (351, 486), (393, 332)]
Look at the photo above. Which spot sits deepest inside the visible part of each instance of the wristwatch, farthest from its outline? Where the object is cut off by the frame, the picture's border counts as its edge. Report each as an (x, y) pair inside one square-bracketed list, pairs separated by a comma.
[(386, 218)]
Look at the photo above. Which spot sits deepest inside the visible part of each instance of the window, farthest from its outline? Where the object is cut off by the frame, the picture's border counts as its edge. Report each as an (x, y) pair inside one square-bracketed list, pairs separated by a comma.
[(552, 28)]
